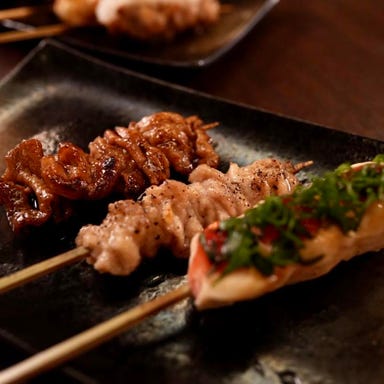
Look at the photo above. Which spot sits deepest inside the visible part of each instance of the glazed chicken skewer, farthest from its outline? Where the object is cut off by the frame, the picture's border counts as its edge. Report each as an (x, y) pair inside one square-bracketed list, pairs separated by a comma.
[(36, 187), (306, 225)]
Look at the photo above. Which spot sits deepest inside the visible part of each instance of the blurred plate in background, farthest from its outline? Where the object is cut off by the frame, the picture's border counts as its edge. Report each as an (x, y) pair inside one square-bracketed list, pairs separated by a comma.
[(188, 50)]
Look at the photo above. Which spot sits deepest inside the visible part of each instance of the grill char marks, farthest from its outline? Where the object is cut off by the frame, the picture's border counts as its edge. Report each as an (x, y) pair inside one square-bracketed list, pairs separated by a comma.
[(125, 161)]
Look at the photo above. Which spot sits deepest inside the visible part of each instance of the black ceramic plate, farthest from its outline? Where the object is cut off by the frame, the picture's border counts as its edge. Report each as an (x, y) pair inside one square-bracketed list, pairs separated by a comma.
[(189, 50), (326, 331)]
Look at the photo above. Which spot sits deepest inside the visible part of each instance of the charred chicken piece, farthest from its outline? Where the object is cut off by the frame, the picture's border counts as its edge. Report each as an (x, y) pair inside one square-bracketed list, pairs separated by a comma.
[(146, 152), (24, 194), (36, 187)]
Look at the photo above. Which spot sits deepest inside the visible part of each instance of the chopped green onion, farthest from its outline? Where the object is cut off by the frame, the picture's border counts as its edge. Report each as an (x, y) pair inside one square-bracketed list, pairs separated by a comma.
[(340, 197)]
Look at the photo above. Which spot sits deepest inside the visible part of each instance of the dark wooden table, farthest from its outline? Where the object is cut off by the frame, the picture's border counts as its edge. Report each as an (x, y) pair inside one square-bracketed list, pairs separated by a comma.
[(321, 61)]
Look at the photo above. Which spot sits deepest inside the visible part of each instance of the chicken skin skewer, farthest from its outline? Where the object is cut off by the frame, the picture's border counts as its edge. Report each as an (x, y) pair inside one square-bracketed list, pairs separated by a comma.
[(36, 187)]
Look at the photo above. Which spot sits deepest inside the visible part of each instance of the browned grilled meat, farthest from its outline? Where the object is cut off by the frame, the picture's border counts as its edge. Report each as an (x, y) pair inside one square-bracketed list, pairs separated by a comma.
[(24, 194), (170, 214), (35, 188), (140, 19)]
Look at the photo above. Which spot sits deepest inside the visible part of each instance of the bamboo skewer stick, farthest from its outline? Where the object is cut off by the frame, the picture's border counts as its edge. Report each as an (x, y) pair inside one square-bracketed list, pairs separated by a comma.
[(35, 33), (34, 271), (20, 12), (76, 345)]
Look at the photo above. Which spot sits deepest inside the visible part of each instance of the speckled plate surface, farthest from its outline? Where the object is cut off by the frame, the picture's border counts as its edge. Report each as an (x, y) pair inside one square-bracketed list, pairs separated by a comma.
[(188, 50), (326, 331)]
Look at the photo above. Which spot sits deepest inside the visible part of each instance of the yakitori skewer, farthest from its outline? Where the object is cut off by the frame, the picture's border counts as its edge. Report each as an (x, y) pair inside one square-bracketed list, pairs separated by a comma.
[(134, 19), (37, 187), (283, 240)]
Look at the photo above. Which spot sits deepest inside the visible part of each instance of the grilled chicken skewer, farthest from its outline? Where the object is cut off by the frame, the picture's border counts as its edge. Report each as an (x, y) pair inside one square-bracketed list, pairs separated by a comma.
[(140, 19), (36, 187), (169, 215), (305, 225), (143, 20)]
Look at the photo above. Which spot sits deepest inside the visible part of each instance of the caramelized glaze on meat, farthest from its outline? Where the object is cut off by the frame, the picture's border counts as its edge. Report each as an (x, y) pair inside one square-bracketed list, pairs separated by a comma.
[(169, 215), (24, 194), (142, 154), (125, 161)]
